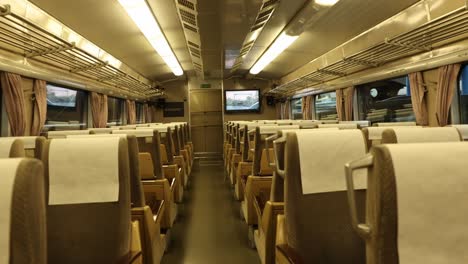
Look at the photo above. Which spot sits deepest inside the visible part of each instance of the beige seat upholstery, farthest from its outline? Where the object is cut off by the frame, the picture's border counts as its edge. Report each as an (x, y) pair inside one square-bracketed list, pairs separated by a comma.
[(65, 133), (360, 123), (91, 228), (415, 211), (11, 148), (340, 126), (394, 124), (426, 135), (317, 226), (33, 146), (23, 238), (101, 130), (463, 129), (373, 135)]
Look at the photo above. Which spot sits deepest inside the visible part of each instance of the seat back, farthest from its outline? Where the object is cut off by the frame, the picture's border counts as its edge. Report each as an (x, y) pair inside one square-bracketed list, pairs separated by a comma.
[(340, 126), (318, 226), (23, 212), (373, 135), (33, 146), (91, 228), (360, 123), (11, 148), (101, 130), (463, 129), (65, 133), (426, 135), (394, 124), (414, 215)]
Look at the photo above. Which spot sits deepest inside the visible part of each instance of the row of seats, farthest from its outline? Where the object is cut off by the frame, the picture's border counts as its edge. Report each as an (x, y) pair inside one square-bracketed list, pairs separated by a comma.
[(302, 215), (93, 198)]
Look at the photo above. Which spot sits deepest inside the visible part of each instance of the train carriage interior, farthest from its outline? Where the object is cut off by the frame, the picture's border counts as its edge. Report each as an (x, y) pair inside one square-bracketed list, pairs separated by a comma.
[(233, 131)]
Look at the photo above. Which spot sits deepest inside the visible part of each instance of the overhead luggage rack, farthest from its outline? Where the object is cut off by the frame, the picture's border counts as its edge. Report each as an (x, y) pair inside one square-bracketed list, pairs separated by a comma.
[(26, 30), (435, 33)]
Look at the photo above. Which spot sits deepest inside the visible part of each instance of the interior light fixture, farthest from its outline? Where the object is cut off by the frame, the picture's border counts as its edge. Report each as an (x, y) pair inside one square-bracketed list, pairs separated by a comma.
[(141, 14), (279, 45), (326, 2)]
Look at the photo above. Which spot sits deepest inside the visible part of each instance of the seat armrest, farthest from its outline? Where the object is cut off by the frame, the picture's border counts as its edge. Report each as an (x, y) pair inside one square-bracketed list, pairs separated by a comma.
[(285, 254), (135, 253)]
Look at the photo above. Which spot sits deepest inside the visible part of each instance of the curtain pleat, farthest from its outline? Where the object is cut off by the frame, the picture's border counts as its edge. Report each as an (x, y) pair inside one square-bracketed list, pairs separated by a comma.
[(286, 109), (348, 103), (447, 81), (307, 107), (99, 109), (339, 105), (14, 102), (418, 98), (279, 110), (131, 112), (39, 107)]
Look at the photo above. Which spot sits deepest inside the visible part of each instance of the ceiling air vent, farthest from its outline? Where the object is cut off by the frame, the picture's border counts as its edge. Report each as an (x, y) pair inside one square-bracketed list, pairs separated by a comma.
[(264, 14), (188, 16), (188, 4)]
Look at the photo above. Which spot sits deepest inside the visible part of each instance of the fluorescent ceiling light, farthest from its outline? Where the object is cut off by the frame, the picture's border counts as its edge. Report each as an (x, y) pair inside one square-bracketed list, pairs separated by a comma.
[(326, 2), (141, 14), (281, 43)]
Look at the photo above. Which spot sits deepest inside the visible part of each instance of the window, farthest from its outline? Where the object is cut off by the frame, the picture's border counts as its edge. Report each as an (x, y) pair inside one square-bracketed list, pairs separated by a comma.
[(386, 101), (325, 106), (139, 113), (296, 108), (115, 110), (463, 99), (66, 108)]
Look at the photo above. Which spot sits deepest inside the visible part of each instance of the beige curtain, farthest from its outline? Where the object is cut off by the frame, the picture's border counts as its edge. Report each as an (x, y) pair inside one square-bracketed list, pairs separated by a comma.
[(99, 110), (445, 89), (14, 102), (307, 107), (285, 109), (279, 110), (131, 112), (339, 105), (147, 111), (418, 98), (39, 107), (348, 94)]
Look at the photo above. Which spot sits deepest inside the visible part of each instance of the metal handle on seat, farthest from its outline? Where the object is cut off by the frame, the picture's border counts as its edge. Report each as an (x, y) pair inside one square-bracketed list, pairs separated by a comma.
[(276, 143), (362, 229), (268, 140)]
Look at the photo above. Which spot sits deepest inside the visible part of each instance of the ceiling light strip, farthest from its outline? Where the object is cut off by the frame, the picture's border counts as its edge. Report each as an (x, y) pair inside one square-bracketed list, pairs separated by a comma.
[(141, 14)]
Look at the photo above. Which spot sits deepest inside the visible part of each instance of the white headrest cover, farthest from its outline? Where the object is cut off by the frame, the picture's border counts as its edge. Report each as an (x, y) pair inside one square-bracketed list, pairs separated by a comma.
[(84, 170), (362, 123), (323, 154), (136, 132), (29, 142), (102, 130), (432, 211), (463, 129), (283, 122), (340, 126), (98, 135), (161, 129), (8, 167), (274, 129), (396, 124), (435, 134), (5, 146), (375, 133), (63, 134)]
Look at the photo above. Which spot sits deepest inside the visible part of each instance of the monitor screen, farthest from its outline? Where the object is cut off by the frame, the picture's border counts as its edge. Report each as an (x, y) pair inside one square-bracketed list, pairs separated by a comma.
[(60, 97), (242, 100)]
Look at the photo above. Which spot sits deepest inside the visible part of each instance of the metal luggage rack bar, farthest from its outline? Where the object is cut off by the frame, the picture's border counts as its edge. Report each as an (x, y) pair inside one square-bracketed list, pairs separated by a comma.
[(444, 30), (19, 35)]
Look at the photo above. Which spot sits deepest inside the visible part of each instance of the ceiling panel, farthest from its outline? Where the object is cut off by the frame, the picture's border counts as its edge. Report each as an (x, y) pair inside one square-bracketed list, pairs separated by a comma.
[(106, 23), (345, 20)]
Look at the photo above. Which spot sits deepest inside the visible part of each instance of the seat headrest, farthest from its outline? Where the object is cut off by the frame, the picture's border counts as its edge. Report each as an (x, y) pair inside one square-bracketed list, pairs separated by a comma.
[(426, 135), (322, 155), (431, 212), (84, 165), (392, 124), (339, 126), (97, 136), (28, 142), (63, 134), (9, 168), (100, 130), (22, 178), (136, 132), (463, 129), (361, 123), (274, 129), (11, 147), (375, 133)]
